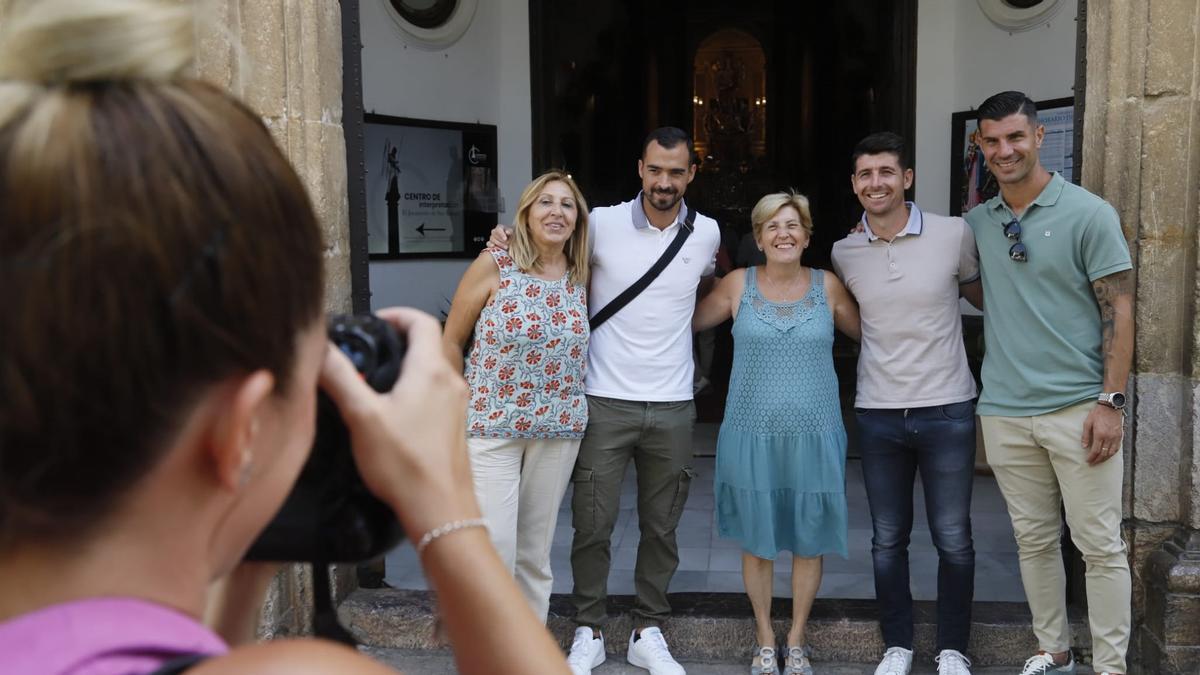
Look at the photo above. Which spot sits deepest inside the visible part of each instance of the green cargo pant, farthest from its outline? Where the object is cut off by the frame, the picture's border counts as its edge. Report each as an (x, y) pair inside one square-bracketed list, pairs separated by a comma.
[(658, 437)]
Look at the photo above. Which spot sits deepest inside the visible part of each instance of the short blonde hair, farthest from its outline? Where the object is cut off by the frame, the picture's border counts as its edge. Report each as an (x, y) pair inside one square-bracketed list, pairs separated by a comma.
[(771, 204), (522, 249)]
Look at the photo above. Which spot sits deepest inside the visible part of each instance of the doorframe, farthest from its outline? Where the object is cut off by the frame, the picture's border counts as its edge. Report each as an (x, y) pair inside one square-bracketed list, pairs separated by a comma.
[(356, 180)]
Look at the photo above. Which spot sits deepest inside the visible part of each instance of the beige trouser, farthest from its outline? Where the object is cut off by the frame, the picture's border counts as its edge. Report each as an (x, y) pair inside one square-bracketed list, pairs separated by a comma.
[(520, 483), (1040, 463)]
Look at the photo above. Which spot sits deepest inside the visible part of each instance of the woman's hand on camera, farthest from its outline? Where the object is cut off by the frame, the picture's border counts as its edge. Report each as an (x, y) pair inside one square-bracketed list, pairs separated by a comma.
[(410, 443)]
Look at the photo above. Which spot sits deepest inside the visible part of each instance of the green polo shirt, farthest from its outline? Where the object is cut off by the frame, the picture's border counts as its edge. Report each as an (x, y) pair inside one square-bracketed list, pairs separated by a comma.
[(1041, 321)]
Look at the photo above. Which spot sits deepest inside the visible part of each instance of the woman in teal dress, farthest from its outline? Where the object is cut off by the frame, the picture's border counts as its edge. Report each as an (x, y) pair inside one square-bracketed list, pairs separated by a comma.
[(781, 453)]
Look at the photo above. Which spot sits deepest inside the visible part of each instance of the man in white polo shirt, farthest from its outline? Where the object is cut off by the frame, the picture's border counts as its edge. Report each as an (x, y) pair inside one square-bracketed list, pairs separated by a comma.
[(915, 402), (639, 390)]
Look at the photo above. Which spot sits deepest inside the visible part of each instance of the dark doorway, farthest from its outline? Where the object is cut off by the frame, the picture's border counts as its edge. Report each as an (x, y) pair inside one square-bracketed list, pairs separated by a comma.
[(774, 92), (607, 71)]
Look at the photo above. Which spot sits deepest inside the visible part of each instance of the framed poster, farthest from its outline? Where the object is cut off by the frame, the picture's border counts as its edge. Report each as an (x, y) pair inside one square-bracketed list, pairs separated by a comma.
[(431, 187), (971, 182)]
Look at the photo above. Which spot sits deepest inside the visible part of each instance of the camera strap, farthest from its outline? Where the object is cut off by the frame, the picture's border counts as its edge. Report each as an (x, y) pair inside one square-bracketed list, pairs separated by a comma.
[(626, 296), (325, 618)]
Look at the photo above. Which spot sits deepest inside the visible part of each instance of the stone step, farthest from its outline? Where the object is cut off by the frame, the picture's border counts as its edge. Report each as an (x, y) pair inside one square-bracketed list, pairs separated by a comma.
[(719, 627), (439, 662)]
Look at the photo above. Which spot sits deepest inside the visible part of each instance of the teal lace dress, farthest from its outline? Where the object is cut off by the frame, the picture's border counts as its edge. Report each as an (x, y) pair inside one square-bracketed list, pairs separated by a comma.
[(781, 454)]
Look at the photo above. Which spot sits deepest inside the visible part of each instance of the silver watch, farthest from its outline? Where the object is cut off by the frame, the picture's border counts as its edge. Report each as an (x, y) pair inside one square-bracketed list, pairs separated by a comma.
[(1114, 399)]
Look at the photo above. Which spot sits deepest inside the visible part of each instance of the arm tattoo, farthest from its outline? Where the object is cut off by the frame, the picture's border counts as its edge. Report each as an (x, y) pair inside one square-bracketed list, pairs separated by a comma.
[(1107, 289)]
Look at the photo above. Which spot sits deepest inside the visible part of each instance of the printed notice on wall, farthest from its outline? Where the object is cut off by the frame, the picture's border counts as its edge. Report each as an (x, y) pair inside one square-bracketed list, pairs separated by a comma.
[(1057, 153), (414, 188), (972, 183)]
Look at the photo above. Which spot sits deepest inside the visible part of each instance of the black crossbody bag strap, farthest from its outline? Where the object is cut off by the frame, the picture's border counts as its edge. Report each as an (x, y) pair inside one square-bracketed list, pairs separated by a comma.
[(651, 274)]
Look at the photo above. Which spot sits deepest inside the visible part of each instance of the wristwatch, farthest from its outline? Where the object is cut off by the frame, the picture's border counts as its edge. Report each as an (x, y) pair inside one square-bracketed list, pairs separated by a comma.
[(1113, 399)]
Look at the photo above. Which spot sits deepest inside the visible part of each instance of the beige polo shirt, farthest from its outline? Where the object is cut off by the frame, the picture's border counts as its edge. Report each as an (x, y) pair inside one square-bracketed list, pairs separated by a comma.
[(912, 353)]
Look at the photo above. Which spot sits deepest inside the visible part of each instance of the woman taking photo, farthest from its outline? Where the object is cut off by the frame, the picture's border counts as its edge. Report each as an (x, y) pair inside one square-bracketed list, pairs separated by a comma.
[(162, 346), (781, 451), (527, 309)]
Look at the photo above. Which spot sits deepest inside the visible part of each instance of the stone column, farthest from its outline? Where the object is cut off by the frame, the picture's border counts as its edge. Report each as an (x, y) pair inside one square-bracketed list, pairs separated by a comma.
[(284, 59), (1140, 152)]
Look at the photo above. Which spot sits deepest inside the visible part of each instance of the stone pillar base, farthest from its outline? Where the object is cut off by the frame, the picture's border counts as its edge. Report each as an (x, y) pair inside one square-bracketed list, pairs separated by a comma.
[(1168, 641)]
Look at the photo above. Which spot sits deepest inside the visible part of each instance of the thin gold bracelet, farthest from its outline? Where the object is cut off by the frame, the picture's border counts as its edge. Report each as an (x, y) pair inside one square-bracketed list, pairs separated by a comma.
[(447, 528)]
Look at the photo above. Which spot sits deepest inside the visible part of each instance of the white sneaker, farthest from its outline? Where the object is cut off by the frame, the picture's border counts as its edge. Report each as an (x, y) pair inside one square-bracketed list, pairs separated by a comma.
[(896, 661), (587, 651), (952, 662), (1042, 663), (649, 650)]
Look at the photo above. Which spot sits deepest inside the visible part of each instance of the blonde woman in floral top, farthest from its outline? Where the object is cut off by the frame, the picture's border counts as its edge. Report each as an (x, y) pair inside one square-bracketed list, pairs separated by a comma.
[(527, 308)]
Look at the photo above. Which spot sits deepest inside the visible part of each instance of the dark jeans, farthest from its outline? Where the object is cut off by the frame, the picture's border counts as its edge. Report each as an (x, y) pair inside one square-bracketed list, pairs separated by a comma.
[(938, 441)]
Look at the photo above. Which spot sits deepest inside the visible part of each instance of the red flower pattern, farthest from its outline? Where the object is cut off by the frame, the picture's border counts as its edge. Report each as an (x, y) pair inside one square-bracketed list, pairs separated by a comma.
[(527, 375)]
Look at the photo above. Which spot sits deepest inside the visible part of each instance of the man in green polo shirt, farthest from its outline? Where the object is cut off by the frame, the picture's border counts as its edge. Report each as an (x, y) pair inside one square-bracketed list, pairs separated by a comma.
[(1058, 321)]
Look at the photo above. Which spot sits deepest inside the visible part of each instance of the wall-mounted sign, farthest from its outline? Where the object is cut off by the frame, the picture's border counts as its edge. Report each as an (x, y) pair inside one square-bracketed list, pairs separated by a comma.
[(971, 183), (431, 187)]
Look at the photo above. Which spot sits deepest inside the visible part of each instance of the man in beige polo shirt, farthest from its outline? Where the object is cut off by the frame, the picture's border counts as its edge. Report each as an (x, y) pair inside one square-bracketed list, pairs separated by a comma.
[(915, 406)]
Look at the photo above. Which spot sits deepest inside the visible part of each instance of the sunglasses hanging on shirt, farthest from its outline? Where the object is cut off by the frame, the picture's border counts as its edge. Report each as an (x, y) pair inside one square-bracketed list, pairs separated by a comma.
[(1017, 252)]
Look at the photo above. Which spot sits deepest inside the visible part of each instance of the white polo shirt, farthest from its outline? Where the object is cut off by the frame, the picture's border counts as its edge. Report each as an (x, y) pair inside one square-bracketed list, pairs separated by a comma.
[(912, 353), (644, 351)]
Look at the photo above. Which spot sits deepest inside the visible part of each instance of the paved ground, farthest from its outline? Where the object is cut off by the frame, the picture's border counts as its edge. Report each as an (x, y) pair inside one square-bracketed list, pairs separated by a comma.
[(708, 563), (426, 663)]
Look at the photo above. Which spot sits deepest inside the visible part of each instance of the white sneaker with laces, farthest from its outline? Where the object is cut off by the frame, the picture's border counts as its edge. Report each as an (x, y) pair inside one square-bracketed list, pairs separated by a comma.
[(952, 662), (587, 651), (896, 661), (649, 650), (1043, 664)]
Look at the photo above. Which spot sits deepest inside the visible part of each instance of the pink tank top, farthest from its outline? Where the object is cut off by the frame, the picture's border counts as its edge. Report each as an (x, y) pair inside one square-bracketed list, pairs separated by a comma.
[(101, 636)]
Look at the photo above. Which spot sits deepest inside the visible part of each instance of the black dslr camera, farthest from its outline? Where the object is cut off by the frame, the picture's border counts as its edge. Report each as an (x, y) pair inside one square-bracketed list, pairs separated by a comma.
[(330, 516)]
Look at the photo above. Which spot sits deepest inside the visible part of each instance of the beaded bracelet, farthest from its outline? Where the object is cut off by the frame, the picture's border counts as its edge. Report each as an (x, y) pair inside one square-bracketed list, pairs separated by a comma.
[(447, 528)]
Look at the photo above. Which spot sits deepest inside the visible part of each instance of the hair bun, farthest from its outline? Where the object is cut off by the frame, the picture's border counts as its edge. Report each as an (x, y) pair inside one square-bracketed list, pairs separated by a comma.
[(65, 41)]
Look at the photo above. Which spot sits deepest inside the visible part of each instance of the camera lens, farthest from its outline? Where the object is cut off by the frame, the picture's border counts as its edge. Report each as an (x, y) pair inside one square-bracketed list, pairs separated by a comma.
[(360, 352)]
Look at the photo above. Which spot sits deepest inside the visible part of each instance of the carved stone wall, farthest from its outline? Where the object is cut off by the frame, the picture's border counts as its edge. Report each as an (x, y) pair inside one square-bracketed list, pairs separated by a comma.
[(1140, 152), (284, 59)]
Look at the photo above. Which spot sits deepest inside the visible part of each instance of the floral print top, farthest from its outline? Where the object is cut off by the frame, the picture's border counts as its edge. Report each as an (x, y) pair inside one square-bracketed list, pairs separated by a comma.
[(528, 360)]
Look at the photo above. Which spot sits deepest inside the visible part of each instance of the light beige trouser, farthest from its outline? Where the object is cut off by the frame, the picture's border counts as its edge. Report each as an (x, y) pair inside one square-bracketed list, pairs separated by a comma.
[(1040, 463), (520, 483)]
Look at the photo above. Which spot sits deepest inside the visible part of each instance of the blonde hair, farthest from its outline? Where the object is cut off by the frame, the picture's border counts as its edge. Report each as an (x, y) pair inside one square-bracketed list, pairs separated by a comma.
[(522, 250), (147, 220), (771, 204)]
